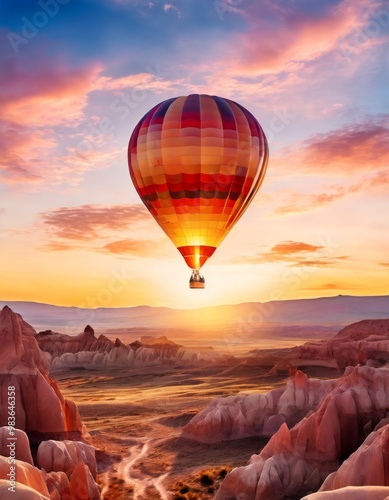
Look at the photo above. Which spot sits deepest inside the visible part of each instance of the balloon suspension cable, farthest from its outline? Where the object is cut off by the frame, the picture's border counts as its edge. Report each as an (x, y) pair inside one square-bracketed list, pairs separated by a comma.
[(196, 280)]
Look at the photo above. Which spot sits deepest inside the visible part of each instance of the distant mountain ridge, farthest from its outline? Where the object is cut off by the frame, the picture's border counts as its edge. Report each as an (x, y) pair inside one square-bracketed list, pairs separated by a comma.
[(324, 311)]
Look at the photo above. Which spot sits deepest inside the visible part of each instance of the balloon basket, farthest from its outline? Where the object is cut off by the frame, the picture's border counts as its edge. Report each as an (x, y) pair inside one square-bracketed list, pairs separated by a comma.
[(196, 280), (196, 284)]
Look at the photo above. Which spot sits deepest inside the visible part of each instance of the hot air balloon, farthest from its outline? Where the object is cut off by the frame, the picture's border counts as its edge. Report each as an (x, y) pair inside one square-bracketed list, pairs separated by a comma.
[(197, 162)]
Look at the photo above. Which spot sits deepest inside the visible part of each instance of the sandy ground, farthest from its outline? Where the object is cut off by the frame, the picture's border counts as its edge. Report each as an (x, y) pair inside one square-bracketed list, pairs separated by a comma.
[(135, 417)]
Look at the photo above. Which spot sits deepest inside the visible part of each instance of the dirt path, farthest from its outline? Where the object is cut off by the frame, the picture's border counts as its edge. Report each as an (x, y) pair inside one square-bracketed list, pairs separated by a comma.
[(143, 482)]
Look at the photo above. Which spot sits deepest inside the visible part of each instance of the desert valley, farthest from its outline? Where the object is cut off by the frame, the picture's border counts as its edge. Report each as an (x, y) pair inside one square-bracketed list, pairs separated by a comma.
[(144, 416)]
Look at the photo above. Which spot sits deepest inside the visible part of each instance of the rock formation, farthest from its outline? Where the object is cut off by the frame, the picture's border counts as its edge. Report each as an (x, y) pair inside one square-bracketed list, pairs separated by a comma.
[(365, 342), (35, 484), (296, 462), (22, 448), (82, 485), (87, 351), (24, 492), (64, 456), (40, 412), (58, 344), (367, 466), (40, 409), (352, 493), (240, 416)]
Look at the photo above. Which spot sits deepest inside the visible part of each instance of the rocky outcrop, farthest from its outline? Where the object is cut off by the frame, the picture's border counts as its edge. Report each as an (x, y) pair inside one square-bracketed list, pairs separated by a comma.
[(365, 342), (58, 485), (40, 409), (39, 412), (368, 466), (57, 344), (241, 416), (352, 493), (21, 450), (88, 351), (82, 485), (32, 483), (149, 340), (24, 492), (296, 462), (24, 473), (65, 455)]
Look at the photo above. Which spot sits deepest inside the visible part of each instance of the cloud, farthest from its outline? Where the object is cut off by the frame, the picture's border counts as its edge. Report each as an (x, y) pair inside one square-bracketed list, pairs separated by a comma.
[(91, 222), (171, 7), (48, 134), (353, 159), (42, 104), (141, 81), (92, 228), (292, 247), (300, 202), (314, 263), (279, 36), (222, 6), (334, 286), (51, 95), (354, 148), (296, 253), (57, 247), (128, 246), (286, 52), (295, 202), (384, 264)]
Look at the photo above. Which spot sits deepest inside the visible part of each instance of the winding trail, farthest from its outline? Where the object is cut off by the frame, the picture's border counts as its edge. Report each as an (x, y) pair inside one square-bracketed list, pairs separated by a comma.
[(105, 484), (133, 476)]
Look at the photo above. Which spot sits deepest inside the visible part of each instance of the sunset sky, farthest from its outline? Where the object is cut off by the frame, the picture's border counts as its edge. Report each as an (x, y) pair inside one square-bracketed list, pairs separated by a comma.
[(77, 75)]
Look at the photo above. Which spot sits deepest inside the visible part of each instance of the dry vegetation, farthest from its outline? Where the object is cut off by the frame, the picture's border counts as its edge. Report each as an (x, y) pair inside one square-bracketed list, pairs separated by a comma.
[(201, 485), (135, 419)]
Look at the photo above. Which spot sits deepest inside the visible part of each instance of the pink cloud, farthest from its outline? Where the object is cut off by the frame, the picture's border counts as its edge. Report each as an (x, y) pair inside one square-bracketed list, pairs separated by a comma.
[(41, 110), (334, 286), (356, 155), (285, 55), (293, 37), (357, 147), (88, 222), (295, 253), (144, 81), (21, 151), (48, 96), (140, 248), (88, 227), (292, 247), (290, 60), (171, 7), (57, 247), (36, 106), (295, 202)]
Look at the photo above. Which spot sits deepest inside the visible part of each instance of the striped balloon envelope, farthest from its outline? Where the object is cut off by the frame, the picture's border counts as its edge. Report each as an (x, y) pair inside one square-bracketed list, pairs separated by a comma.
[(196, 162)]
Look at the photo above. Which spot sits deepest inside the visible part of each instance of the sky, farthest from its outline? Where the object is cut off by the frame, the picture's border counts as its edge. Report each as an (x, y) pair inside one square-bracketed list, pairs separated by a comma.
[(77, 75)]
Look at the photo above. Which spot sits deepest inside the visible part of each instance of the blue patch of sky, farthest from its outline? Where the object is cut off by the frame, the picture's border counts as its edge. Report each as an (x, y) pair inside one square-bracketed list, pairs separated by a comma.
[(127, 36)]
